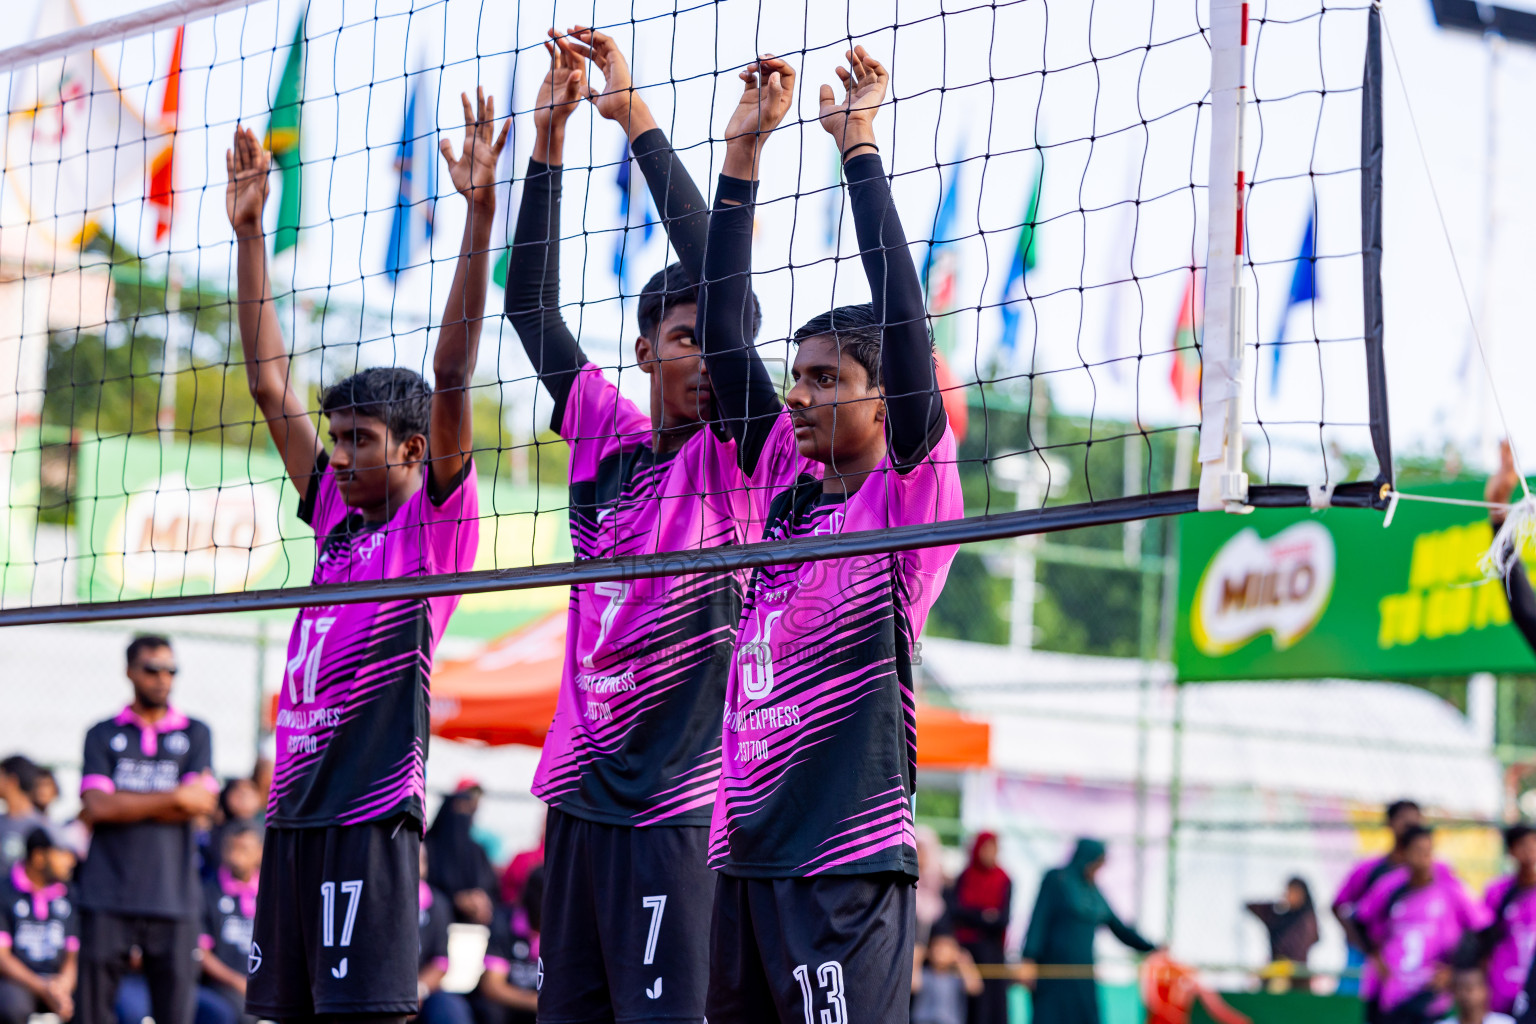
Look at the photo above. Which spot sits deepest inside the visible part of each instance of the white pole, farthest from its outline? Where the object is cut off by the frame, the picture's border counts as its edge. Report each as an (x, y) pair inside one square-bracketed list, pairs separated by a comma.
[(1223, 484), (1489, 427)]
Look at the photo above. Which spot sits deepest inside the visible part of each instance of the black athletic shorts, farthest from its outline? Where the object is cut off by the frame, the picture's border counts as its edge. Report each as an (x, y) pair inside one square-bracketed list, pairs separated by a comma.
[(336, 921), (625, 933), (833, 948)]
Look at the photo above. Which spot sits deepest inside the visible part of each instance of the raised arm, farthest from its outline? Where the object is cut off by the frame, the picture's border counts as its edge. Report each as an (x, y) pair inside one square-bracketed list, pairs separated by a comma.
[(684, 212), (745, 398), (451, 439), (261, 337), (533, 272), (914, 406)]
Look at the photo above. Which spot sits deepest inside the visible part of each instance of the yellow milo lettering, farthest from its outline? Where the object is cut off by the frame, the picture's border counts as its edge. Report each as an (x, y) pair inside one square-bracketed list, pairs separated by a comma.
[(1447, 594)]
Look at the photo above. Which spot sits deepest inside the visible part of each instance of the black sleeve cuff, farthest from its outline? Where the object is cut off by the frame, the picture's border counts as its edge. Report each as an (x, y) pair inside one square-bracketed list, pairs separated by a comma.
[(739, 190), (864, 166), (650, 142), (544, 174), (312, 492)]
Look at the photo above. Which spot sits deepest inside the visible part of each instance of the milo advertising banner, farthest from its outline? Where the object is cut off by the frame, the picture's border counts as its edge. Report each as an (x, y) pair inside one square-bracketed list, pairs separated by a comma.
[(155, 521), (1291, 593)]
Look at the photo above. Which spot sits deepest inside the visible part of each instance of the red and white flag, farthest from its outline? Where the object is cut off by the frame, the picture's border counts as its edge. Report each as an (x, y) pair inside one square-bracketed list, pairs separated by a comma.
[(161, 193)]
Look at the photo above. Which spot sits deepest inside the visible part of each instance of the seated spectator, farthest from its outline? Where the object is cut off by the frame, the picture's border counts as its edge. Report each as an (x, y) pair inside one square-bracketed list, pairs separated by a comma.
[(944, 982), (17, 777), (1469, 989), (44, 790), (39, 933), (229, 908), (509, 989), (437, 1006), (460, 866), (239, 807)]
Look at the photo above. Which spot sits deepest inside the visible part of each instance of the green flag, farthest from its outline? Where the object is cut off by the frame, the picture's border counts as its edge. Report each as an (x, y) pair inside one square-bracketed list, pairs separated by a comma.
[(283, 134)]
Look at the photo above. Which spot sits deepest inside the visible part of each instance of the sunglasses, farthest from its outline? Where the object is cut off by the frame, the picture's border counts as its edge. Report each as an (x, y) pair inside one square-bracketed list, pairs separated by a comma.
[(159, 670)]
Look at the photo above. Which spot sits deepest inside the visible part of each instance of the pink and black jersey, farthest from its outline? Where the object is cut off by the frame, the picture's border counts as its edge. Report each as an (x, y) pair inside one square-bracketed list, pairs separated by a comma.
[(820, 736), (636, 734), (1415, 930), (1512, 909), (353, 712), (39, 924), (146, 868)]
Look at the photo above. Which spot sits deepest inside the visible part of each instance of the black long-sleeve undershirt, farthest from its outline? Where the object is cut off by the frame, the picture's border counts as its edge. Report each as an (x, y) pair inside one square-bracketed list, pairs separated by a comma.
[(914, 408), (744, 396), (746, 402), (1522, 601), (533, 273)]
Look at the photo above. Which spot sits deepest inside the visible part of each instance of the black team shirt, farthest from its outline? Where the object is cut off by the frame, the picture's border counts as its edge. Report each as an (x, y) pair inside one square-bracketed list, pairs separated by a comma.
[(147, 868)]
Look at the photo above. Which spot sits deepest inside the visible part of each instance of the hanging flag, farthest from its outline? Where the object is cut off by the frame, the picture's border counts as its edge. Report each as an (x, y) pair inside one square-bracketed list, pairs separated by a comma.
[(941, 261), (162, 182), (283, 137), (1303, 290), (415, 160), (635, 213), (74, 146), (506, 204), (1185, 374), (1011, 305)]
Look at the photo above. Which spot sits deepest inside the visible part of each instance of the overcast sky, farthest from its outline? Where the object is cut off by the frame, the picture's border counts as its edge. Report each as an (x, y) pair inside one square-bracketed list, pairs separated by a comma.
[(1122, 206)]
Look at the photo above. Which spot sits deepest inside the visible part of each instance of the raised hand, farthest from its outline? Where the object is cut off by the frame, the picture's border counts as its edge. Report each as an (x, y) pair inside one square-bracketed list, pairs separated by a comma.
[(618, 100), (474, 171), (1501, 485), (561, 90), (246, 165), (850, 123), (769, 91)]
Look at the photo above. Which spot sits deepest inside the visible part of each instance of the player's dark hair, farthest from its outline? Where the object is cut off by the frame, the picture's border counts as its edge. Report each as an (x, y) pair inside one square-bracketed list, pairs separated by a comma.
[(1514, 833), (533, 897), (1397, 807), (1412, 834), (228, 788), (145, 642), (238, 828), (37, 781), (672, 287), (401, 399), (20, 768), (855, 329), (40, 839)]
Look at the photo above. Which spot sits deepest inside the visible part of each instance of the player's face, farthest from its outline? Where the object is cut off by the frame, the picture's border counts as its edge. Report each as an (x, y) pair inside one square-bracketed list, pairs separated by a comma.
[(675, 363), (61, 865), (1471, 992), (153, 673), (1405, 819), (1420, 855), (1525, 851), (371, 465), (837, 412), (242, 855)]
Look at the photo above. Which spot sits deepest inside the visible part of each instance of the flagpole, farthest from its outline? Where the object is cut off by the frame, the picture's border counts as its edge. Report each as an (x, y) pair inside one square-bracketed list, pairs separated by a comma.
[(165, 424), (1489, 427)]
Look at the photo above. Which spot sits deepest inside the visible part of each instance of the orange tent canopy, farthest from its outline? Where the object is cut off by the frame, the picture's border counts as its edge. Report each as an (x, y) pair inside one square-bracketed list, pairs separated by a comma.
[(506, 694)]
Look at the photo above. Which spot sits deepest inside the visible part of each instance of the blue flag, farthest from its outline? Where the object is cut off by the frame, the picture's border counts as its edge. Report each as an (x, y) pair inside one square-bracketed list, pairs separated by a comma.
[(1303, 290), (632, 214), (1010, 306), (416, 144), (943, 224)]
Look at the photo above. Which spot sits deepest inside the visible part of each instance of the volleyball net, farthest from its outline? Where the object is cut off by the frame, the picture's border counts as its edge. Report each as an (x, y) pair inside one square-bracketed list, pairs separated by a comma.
[(1149, 235)]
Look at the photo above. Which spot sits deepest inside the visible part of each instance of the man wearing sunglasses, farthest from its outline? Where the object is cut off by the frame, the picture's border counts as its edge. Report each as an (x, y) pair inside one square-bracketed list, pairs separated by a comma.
[(147, 775)]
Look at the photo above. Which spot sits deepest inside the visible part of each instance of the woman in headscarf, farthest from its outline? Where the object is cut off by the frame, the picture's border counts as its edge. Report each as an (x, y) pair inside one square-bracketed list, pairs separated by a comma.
[(458, 864), (983, 896), (1291, 923), (1058, 948)]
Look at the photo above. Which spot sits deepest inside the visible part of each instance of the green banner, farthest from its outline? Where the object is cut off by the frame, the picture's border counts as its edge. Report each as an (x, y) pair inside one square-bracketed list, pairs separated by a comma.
[(198, 519), (1292, 594)]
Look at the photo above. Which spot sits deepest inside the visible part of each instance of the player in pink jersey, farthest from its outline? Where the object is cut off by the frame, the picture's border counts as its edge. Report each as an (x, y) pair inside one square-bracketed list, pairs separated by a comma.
[(336, 915), (633, 755), (1401, 815), (1511, 903), (1412, 919), (812, 830)]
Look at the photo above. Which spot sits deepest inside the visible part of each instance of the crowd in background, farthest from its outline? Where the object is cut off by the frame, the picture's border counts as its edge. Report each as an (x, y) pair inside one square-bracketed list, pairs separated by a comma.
[(1421, 946)]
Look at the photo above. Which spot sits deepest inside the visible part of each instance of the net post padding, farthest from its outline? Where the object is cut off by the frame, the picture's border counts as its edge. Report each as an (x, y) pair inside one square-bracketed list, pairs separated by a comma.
[(1223, 485), (1370, 247), (746, 556)]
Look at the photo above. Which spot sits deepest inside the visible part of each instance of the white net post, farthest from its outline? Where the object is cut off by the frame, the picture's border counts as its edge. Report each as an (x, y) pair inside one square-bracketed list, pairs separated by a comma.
[(1223, 484)]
